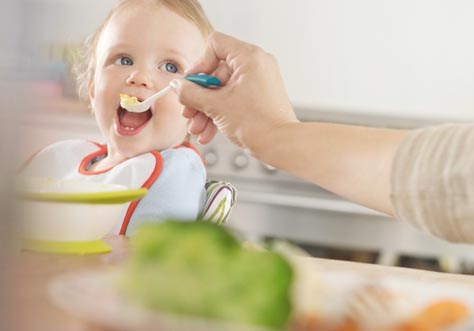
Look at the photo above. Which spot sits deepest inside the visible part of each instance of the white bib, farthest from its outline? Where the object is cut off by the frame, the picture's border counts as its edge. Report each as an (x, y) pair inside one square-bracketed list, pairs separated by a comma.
[(69, 159)]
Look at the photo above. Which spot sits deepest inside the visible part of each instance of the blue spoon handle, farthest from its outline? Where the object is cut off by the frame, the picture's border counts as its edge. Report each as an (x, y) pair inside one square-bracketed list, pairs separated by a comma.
[(204, 80)]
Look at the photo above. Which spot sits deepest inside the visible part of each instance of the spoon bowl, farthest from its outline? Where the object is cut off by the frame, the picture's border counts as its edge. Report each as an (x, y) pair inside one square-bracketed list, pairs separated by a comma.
[(132, 104)]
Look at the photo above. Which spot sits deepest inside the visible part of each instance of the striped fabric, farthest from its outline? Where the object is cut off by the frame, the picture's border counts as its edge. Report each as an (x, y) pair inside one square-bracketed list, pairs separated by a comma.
[(221, 197), (433, 183)]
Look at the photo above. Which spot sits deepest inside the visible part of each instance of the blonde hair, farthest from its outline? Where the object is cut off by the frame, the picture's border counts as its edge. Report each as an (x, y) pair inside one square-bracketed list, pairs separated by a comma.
[(85, 59)]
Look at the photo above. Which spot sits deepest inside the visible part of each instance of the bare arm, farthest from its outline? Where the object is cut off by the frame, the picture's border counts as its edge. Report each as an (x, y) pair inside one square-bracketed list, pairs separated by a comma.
[(351, 161)]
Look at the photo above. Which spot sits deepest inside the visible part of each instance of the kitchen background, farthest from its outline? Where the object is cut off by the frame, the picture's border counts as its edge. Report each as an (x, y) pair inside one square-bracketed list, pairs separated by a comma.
[(404, 63)]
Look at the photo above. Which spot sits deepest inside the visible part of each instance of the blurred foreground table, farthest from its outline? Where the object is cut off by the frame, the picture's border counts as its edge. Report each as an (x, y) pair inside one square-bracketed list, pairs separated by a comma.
[(30, 272)]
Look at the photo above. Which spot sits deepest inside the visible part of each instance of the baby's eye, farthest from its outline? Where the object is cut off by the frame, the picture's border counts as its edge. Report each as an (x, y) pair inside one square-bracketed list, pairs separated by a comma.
[(170, 67), (124, 61)]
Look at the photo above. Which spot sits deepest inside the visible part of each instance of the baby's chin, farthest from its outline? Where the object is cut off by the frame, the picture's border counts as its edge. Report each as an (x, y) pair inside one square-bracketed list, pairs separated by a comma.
[(129, 152), (128, 149), (133, 146)]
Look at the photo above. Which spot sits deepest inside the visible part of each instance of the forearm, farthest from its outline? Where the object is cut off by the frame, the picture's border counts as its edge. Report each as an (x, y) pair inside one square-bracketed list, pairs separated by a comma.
[(352, 161)]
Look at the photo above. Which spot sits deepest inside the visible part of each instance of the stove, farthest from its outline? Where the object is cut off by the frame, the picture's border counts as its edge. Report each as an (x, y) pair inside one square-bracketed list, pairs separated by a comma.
[(271, 203)]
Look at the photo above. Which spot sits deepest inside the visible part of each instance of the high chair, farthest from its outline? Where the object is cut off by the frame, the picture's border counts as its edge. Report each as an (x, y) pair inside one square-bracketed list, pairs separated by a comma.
[(221, 197)]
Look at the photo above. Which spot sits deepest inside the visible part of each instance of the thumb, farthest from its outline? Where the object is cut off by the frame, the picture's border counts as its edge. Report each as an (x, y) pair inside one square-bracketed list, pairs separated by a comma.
[(194, 96)]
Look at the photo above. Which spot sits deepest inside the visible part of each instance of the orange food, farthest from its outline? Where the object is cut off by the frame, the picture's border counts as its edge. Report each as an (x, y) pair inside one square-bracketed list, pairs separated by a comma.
[(437, 315), (434, 317), (347, 325)]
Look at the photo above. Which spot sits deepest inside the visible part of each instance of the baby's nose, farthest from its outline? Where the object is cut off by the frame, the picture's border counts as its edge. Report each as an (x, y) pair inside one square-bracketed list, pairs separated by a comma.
[(140, 78)]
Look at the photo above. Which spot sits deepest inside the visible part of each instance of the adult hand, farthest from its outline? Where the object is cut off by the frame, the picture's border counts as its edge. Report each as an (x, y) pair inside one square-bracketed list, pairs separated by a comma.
[(250, 105), (253, 110)]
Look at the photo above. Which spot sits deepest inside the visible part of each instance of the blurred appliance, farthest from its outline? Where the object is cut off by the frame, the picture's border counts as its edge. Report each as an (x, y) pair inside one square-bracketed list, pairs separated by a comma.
[(271, 203)]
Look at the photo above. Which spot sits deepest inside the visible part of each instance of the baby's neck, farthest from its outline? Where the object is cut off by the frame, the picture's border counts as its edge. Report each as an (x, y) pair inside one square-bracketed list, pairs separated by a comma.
[(105, 163)]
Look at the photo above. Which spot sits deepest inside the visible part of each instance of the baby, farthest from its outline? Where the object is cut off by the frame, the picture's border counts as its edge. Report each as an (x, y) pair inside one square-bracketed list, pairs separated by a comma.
[(139, 48)]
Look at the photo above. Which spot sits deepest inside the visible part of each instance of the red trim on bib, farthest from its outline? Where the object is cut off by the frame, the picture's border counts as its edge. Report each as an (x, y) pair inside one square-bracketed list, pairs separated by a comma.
[(82, 167), (153, 177)]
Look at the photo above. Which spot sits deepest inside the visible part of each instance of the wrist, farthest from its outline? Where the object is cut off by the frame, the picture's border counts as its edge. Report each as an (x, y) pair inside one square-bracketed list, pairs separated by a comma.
[(270, 144)]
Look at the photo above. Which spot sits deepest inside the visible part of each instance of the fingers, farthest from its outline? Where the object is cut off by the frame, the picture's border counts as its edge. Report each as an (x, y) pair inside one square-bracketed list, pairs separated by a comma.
[(193, 96), (188, 112), (208, 133), (222, 72), (202, 126), (198, 123)]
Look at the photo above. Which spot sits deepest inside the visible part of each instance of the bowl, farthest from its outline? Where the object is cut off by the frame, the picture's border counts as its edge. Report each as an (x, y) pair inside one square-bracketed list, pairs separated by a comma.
[(70, 216)]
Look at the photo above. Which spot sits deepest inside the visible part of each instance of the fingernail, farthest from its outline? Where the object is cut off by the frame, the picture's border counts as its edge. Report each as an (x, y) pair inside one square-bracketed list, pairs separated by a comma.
[(174, 83), (191, 68)]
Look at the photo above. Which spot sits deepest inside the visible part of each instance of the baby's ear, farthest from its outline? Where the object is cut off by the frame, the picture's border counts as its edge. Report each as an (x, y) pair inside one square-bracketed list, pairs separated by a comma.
[(91, 90), (91, 93)]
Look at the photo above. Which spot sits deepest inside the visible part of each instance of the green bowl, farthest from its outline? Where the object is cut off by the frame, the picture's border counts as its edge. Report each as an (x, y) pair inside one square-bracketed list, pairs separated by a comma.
[(72, 217)]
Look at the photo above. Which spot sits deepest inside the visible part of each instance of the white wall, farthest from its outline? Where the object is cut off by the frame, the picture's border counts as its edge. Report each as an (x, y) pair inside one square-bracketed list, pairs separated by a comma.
[(404, 57), (66, 21)]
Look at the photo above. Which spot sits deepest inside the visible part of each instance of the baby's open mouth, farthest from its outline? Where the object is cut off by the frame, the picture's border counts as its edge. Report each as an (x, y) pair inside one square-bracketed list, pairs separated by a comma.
[(129, 123)]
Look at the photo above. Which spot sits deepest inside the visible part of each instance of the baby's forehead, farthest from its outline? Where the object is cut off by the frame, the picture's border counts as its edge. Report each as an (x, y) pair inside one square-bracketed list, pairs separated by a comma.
[(141, 23), (142, 30), (137, 9)]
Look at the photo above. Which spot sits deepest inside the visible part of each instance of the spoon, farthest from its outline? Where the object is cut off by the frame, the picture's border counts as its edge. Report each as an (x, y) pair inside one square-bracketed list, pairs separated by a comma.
[(131, 104)]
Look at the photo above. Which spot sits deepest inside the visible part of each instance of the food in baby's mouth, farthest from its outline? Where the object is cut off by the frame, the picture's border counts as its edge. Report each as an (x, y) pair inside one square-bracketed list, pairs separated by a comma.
[(126, 100), (201, 269)]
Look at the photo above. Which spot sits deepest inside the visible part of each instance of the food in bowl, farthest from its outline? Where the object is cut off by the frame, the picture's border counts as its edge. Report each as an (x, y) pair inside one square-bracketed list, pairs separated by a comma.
[(200, 269)]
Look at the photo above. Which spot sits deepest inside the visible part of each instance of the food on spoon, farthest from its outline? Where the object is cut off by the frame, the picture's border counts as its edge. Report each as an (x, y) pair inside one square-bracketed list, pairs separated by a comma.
[(126, 100), (201, 269)]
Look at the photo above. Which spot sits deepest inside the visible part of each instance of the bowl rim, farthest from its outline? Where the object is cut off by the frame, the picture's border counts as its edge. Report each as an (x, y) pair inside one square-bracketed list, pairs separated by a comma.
[(102, 197)]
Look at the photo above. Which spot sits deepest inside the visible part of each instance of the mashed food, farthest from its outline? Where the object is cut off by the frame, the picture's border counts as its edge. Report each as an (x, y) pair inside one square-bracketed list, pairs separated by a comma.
[(126, 100)]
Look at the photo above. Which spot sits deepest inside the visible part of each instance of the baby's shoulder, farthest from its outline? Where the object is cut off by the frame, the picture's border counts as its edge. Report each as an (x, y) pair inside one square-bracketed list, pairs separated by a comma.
[(181, 154), (182, 159)]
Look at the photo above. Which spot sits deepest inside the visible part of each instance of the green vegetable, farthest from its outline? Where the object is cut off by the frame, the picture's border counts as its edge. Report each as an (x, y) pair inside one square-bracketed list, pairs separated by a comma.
[(201, 269)]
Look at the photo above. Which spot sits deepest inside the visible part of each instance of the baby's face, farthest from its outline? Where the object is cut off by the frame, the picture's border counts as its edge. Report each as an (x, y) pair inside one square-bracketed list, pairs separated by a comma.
[(140, 51)]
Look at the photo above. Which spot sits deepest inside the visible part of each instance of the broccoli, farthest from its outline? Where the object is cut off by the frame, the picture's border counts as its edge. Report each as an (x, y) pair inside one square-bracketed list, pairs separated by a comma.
[(201, 269)]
